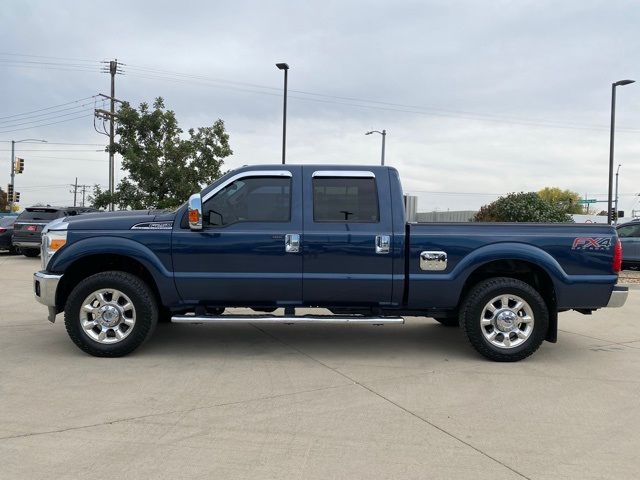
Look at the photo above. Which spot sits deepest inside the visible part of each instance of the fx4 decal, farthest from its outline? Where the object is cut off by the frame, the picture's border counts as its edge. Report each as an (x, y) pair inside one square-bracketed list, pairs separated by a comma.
[(591, 243)]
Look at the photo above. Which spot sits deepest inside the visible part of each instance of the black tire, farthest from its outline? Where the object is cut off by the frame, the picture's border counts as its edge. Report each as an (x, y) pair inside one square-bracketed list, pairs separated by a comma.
[(143, 301), (164, 315), (30, 252), (472, 310), (13, 250), (448, 321)]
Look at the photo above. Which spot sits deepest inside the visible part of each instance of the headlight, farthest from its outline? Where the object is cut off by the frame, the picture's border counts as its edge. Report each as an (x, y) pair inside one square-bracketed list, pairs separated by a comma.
[(54, 237)]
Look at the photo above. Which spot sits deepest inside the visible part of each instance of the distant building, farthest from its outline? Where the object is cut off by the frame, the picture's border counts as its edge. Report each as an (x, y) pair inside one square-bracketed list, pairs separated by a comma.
[(448, 216)]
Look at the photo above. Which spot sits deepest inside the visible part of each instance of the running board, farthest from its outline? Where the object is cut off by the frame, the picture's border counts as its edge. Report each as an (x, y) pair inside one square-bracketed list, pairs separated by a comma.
[(285, 319)]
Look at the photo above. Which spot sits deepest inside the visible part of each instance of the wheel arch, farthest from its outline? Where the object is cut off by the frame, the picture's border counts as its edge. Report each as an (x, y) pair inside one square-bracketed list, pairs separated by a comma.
[(526, 271), (91, 264)]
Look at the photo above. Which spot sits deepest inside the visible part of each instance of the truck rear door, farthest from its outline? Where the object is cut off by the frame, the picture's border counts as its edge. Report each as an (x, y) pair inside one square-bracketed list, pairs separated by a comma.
[(348, 234)]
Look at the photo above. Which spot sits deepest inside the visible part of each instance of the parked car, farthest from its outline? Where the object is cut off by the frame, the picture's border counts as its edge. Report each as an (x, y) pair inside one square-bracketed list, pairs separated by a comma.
[(28, 227), (335, 237), (629, 234), (6, 231)]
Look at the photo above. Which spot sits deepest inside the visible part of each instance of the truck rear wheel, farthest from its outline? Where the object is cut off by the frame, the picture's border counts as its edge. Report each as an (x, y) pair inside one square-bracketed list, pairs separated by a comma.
[(505, 319), (110, 314), (30, 252)]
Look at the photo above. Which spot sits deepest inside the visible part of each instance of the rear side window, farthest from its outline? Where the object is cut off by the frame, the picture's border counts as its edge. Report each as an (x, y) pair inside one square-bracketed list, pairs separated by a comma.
[(40, 214), (7, 221), (253, 199), (629, 231), (345, 200)]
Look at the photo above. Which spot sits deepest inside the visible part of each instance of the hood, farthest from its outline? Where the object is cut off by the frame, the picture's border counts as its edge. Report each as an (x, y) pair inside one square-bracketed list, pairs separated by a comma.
[(120, 220)]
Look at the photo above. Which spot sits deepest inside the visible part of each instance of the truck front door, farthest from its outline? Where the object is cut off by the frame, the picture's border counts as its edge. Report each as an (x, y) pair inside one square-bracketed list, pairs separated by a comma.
[(246, 252), (348, 238)]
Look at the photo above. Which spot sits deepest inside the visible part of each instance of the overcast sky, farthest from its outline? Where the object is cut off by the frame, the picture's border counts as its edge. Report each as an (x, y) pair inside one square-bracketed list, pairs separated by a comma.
[(478, 98)]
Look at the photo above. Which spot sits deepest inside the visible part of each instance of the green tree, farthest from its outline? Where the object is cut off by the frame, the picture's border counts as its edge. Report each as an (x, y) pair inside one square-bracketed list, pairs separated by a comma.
[(163, 168), (3, 201), (522, 207), (564, 198)]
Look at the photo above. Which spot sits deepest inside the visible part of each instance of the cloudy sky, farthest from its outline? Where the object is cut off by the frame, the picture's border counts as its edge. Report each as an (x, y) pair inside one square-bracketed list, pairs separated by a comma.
[(478, 98)]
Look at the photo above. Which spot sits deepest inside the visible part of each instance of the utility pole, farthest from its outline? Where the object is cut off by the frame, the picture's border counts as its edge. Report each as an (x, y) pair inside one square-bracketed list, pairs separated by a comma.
[(75, 192), (77, 189), (113, 70), (84, 189)]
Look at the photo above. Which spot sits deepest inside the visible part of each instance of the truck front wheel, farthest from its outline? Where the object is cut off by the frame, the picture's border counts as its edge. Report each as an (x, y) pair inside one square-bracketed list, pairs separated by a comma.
[(110, 314), (505, 319)]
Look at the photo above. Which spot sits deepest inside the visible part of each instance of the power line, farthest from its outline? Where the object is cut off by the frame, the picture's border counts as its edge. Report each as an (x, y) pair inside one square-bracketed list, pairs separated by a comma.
[(46, 124), (154, 73), (46, 64), (36, 122), (45, 56), (59, 143), (68, 158), (180, 77), (52, 113), (52, 150), (49, 108)]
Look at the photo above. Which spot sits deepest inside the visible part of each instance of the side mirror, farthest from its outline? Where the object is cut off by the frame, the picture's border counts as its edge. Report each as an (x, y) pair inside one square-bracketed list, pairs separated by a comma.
[(195, 212)]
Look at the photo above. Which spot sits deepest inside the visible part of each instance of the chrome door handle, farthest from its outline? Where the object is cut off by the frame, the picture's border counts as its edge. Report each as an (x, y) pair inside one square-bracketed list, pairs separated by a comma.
[(292, 243), (383, 244)]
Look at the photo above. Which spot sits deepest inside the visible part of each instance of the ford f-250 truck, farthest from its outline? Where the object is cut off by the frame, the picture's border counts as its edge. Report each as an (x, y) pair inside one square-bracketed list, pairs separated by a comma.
[(334, 237)]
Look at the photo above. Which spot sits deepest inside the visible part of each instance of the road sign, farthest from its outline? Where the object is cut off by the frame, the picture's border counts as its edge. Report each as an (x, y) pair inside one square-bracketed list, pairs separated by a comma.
[(588, 200)]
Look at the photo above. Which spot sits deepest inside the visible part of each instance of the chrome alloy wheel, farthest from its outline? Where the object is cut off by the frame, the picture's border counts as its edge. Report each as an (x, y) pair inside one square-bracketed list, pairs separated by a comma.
[(507, 321), (107, 316)]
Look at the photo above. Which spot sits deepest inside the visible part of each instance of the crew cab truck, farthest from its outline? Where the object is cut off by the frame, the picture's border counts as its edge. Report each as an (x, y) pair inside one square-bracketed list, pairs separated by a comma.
[(334, 237)]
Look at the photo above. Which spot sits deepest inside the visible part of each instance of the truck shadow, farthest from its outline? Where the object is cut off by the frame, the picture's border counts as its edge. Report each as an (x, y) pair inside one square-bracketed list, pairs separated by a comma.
[(417, 337)]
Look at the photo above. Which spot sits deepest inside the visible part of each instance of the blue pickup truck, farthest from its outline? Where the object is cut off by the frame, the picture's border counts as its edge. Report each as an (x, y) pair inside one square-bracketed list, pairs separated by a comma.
[(335, 237)]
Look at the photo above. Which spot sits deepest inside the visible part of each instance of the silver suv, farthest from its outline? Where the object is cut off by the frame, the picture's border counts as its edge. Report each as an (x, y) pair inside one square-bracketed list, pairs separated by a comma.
[(629, 234)]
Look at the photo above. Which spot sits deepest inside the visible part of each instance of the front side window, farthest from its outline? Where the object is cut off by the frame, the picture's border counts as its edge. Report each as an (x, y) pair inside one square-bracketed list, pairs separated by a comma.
[(250, 199), (345, 200)]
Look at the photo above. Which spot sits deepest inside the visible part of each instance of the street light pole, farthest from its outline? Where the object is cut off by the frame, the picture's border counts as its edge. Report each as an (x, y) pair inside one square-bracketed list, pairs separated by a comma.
[(611, 142), (616, 195), (13, 167), (384, 136), (285, 67)]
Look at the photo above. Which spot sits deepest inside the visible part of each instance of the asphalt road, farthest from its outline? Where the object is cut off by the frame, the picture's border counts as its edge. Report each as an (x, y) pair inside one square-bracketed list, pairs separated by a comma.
[(315, 402)]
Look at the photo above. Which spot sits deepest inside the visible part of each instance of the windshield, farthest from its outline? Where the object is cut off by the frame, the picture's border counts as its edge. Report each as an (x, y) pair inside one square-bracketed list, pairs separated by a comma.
[(38, 214), (7, 221)]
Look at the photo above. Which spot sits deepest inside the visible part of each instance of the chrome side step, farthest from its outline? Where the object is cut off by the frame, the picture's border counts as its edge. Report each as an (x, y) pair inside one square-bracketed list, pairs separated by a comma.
[(229, 318)]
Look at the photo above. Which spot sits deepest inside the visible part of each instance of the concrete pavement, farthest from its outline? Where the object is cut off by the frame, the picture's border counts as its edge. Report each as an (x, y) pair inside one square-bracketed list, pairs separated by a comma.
[(315, 402)]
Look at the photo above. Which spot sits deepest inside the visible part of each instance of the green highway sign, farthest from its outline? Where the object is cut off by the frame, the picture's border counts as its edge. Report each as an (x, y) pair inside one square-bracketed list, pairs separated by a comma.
[(587, 200)]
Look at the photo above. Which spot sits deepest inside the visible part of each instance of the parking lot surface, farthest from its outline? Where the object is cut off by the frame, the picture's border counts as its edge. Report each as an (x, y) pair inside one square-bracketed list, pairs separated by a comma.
[(315, 402)]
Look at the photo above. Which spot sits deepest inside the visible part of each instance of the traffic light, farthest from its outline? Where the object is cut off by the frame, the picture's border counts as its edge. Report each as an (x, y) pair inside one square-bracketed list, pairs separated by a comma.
[(16, 197), (19, 165), (10, 190), (614, 214)]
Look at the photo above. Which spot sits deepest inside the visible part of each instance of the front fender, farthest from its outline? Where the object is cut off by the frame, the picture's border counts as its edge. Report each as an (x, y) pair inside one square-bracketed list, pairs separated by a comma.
[(83, 248)]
